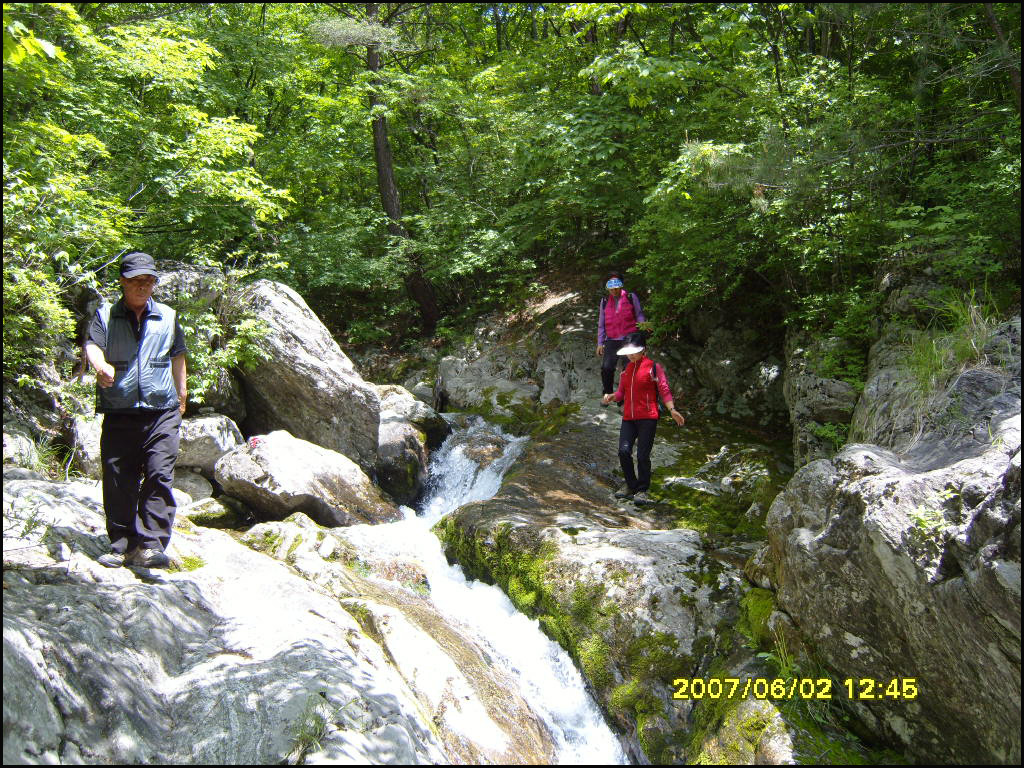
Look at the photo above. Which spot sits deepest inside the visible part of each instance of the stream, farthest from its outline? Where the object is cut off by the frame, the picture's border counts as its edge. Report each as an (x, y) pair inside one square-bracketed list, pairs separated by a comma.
[(469, 467)]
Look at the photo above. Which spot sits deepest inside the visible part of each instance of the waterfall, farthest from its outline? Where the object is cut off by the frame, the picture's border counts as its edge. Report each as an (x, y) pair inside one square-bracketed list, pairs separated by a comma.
[(547, 678)]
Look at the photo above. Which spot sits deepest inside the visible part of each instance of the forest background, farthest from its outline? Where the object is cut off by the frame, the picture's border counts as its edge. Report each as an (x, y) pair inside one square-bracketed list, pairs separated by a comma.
[(407, 167)]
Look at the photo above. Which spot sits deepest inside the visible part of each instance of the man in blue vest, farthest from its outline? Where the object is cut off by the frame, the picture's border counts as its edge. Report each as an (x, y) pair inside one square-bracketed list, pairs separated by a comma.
[(137, 349)]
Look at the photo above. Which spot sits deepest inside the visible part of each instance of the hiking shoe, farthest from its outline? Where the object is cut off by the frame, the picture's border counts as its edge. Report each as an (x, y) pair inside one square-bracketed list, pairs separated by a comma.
[(641, 497), (625, 493), (111, 560), (151, 558)]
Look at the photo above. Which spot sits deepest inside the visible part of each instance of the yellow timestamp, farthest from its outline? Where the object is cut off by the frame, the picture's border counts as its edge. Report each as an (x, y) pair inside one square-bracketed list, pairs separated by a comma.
[(861, 689)]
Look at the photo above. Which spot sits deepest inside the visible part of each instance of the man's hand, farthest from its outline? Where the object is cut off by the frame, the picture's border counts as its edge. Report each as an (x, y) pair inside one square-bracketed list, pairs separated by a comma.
[(182, 403), (600, 350), (105, 373)]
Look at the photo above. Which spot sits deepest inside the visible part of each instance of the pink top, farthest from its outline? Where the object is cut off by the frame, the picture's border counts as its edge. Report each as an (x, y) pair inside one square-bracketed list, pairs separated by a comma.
[(619, 317)]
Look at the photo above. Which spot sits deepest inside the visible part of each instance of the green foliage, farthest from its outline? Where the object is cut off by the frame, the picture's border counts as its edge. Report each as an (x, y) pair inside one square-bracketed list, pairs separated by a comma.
[(837, 435), (310, 729), (34, 319), (955, 340), (772, 160)]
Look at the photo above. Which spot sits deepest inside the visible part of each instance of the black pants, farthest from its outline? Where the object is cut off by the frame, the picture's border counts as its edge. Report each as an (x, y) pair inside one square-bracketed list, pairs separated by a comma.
[(139, 448), (611, 357), (641, 432)]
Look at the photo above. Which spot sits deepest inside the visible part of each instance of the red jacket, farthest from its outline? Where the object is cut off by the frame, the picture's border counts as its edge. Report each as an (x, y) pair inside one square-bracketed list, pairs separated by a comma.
[(638, 391)]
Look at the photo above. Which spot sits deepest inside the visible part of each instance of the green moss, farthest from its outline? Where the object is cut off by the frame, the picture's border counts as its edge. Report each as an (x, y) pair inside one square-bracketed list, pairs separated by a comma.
[(583, 621), (658, 744), (723, 515), (755, 608), (187, 563), (268, 542), (290, 555), (364, 617), (595, 661)]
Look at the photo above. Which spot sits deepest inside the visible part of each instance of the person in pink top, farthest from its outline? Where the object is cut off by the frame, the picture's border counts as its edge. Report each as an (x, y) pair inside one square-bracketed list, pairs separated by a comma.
[(620, 315), (640, 385)]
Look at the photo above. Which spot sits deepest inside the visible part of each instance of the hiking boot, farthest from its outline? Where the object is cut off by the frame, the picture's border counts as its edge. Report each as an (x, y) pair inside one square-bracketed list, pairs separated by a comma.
[(625, 493), (111, 560), (641, 497), (151, 558)]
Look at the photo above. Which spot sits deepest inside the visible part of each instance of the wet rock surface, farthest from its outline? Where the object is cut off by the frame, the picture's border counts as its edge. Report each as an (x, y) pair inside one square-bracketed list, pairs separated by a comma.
[(195, 665), (408, 429), (637, 602)]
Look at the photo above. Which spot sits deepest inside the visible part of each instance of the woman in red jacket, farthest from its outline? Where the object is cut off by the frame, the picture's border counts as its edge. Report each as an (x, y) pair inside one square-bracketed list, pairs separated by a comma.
[(639, 387)]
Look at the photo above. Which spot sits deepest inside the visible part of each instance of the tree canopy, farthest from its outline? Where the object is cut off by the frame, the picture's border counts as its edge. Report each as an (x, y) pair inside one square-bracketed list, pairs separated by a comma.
[(405, 166)]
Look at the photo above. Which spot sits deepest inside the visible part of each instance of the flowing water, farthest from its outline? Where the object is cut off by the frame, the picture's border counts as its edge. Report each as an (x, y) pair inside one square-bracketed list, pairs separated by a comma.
[(469, 467)]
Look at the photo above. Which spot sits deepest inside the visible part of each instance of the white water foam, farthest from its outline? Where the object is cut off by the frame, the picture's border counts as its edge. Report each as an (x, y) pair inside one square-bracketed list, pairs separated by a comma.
[(548, 680)]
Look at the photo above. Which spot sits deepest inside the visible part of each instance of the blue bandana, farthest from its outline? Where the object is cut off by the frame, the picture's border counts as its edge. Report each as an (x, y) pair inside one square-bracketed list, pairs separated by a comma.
[(613, 283)]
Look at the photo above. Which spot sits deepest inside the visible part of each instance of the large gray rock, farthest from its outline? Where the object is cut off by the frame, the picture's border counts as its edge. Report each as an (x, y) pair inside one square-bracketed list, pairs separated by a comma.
[(191, 483), (19, 447), (407, 428), (307, 386), (278, 474), (86, 430), (198, 665), (914, 560), (483, 383), (205, 439), (816, 403)]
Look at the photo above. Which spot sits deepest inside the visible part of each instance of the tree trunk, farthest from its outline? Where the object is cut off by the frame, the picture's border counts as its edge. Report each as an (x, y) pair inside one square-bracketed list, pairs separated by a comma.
[(1004, 49), (417, 286)]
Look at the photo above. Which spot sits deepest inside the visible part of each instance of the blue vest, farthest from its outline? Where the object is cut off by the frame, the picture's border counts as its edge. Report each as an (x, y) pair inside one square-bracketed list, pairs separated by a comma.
[(143, 378)]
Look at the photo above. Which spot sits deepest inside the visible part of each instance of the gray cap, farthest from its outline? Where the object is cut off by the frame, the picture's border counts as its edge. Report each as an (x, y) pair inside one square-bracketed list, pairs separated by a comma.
[(138, 263)]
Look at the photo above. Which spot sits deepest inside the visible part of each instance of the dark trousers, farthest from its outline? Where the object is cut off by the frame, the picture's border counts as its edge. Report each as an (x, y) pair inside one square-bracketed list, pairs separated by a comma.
[(641, 432), (138, 452), (611, 357)]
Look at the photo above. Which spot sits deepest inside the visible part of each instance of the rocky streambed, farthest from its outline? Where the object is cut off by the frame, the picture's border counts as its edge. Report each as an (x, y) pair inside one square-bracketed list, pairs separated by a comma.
[(308, 617)]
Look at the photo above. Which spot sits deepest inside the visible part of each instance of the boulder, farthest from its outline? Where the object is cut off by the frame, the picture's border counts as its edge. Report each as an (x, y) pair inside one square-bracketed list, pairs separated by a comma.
[(407, 428), (307, 385), (86, 429), (205, 439), (195, 485), (820, 407), (639, 605), (636, 607), (19, 447), (190, 285), (278, 474), (915, 558), (482, 384)]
